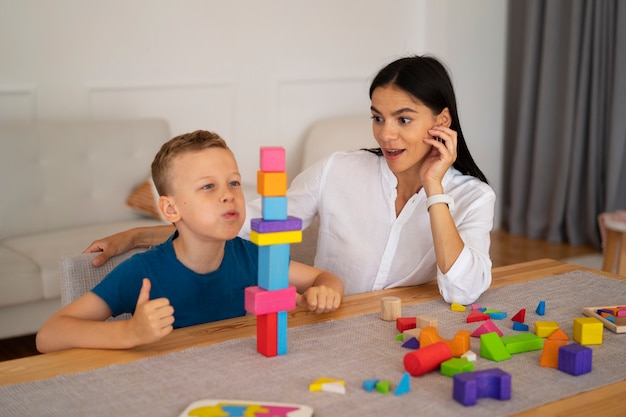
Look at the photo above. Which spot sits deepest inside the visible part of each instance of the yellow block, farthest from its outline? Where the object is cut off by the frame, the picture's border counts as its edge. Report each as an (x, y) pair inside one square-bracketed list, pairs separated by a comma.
[(457, 307), (545, 328), (318, 384), (271, 184), (276, 238), (588, 331)]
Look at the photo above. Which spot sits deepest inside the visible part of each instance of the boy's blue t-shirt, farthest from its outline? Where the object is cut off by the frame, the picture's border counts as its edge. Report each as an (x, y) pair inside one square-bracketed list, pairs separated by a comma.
[(196, 298)]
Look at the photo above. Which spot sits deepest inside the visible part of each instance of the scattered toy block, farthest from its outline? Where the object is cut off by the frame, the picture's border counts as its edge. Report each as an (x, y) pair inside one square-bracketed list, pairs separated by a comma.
[(488, 383), (575, 359), (545, 328), (426, 359), (390, 308), (273, 272), (520, 316), (412, 343), (272, 159), (588, 331), (520, 326), (408, 334), (281, 333), (260, 301), (476, 315), (487, 327), (276, 238), (274, 208), (370, 384), (496, 314), (405, 323), (400, 337), (476, 307), (491, 347), (541, 308), (328, 385), (271, 184), (470, 356), (524, 342), (458, 345), (455, 366), (550, 353), (404, 385), (383, 386), (457, 307), (423, 321), (264, 225), (558, 334)]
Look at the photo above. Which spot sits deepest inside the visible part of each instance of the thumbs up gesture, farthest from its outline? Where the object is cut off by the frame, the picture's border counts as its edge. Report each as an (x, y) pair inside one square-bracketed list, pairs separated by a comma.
[(152, 319)]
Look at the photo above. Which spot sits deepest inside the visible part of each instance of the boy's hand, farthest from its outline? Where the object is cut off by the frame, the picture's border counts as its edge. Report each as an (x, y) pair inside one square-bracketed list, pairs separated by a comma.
[(319, 299), (153, 319)]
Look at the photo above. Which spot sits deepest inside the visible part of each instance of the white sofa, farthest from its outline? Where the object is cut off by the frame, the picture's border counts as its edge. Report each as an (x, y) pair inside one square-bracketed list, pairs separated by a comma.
[(63, 185)]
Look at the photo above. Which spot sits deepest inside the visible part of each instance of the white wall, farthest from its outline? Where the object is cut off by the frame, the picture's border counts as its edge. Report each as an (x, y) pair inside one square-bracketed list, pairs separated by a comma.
[(257, 72)]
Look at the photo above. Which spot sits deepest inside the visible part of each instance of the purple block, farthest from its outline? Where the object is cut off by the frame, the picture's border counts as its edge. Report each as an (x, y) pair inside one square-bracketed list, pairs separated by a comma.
[(269, 226), (575, 359), (488, 383)]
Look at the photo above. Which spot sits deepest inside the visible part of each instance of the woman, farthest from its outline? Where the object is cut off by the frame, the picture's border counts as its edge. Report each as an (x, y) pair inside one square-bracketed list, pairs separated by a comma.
[(411, 210)]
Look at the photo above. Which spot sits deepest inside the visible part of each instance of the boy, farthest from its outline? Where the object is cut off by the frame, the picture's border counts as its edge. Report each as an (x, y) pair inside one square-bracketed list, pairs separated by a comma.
[(198, 275)]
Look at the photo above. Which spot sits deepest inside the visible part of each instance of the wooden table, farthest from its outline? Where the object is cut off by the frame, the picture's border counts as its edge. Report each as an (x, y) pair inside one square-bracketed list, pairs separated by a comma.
[(605, 401)]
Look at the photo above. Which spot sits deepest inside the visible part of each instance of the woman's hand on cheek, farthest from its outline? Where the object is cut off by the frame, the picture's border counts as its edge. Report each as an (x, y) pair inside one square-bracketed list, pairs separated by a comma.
[(441, 157)]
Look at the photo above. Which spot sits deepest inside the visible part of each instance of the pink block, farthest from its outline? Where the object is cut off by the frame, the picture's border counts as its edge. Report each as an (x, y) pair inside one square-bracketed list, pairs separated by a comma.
[(259, 301), (486, 327), (272, 159)]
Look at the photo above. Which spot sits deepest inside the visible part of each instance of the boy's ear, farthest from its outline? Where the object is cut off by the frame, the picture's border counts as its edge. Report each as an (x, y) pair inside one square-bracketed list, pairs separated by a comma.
[(167, 205), (444, 118)]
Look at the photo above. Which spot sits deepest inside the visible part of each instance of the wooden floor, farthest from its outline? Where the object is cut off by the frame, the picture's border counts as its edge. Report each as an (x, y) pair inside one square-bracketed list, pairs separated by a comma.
[(505, 250)]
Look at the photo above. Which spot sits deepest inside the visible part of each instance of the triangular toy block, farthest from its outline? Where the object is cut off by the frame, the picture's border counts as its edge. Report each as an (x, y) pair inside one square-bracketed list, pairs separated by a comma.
[(541, 308), (412, 343), (520, 316), (404, 385), (491, 347), (476, 315), (370, 384), (545, 328), (522, 327), (550, 353), (487, 327), (558, 334)]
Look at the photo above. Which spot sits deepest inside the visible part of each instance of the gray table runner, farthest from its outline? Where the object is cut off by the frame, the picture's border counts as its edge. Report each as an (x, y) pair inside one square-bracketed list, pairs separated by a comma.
[(353, 349)]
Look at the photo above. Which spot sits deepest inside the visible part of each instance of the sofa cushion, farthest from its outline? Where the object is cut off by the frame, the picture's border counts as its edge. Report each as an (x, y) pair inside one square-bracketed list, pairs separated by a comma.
[(19, 278), (45, 250)]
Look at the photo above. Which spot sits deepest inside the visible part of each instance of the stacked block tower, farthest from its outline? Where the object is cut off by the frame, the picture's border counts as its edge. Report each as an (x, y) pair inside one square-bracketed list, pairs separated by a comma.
[(273, 233)]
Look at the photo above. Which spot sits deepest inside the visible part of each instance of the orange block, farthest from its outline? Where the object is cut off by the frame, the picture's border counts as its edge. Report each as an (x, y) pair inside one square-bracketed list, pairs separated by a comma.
[(558, 334), (271, 184), (550, 353), (458, 345)]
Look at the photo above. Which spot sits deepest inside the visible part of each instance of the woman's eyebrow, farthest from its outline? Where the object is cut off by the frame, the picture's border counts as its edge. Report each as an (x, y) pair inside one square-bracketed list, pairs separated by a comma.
[(397, 112)]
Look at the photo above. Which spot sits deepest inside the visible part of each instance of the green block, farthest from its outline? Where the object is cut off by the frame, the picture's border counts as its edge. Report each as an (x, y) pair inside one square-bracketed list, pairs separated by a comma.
[(491, 347), (523, 342), (383, 386), (399, 337), (455, 366)]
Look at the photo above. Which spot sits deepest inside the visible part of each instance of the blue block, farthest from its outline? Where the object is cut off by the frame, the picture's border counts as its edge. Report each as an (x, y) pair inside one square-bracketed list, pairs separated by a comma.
[(520, 326), (370, 384), (541, 308), (274, 267), (281, 330), (575, 359), (274, 208), (404, 385)]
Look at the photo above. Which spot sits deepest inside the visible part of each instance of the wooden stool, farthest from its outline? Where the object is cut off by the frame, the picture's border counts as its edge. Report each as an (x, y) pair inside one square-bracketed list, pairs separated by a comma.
[(613, 230)]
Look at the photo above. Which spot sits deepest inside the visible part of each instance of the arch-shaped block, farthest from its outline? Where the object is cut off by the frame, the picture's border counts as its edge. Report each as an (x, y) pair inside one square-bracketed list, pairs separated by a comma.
[(488, 383)]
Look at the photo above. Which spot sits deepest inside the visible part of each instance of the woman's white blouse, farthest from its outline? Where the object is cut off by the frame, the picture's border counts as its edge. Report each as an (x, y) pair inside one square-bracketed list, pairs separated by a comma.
[(363, 242)]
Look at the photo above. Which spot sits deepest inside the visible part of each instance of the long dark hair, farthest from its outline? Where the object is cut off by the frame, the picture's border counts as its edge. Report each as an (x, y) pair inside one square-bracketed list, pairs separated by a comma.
[(426, 79)]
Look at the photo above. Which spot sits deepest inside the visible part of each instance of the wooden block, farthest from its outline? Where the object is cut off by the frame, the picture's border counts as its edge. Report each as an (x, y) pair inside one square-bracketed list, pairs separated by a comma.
[(541, 308), (426, 321), (588, 331), (491, 347), (523, 327), (281, 333), (271, 184), (274, 208), (545, 328), (383, 386), (291, 223), (260, 301), (266, 334), (550, 353), (426, 359), (489, 383), (575, 359), (523, 342), (276, 238), (407, 334), (476, 315), (558, 334), (272, 159), (273, 273), (390, 308)]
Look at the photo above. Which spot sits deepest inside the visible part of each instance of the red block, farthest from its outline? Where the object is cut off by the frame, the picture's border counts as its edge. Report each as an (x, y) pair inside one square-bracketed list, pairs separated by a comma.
[(405, 323), (267, 334), (426, 359), (520, 316)]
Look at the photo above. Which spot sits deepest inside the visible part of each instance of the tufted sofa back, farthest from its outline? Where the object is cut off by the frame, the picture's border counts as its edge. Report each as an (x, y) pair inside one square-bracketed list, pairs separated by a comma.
[(55, 175)]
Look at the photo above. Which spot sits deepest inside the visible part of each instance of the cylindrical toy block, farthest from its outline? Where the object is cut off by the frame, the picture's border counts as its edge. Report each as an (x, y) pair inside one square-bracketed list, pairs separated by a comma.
[(426, 359)]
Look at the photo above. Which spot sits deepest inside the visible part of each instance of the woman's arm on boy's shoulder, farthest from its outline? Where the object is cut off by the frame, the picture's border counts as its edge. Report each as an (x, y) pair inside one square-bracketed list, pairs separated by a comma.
[(81, 324), (318, 290)]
